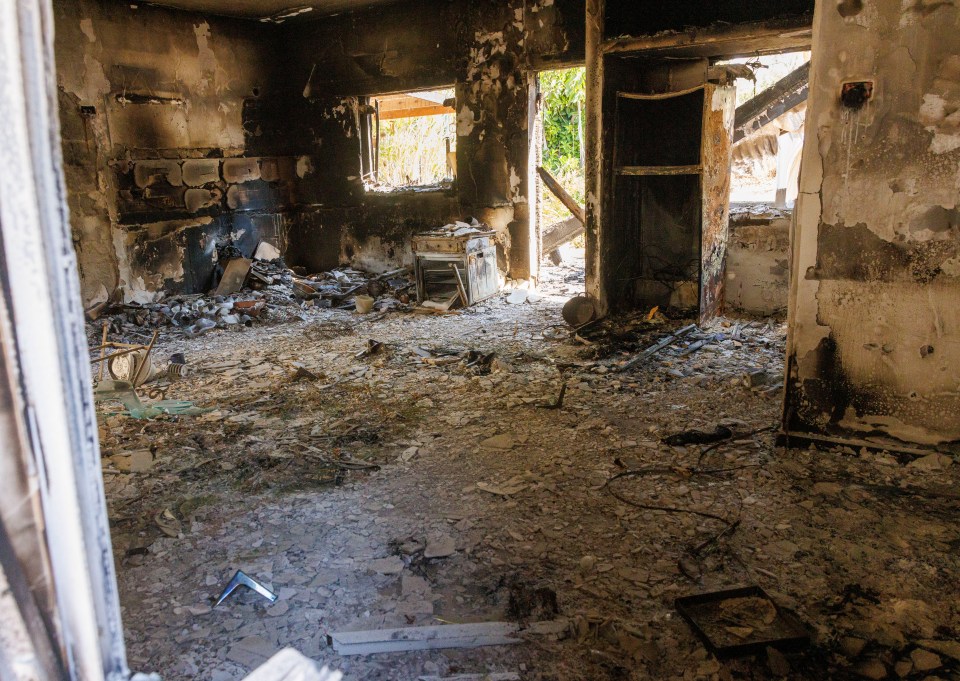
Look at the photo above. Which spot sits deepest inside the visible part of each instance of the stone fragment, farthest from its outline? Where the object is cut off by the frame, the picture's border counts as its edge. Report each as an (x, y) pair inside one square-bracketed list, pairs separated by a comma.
[(411, 584), (279, 608), (948, 648), (931, 462), (440, 547), (137, 461), (501, 441), (924, 660), (871, 669), (903, 668), (392, 565), (852, 646)]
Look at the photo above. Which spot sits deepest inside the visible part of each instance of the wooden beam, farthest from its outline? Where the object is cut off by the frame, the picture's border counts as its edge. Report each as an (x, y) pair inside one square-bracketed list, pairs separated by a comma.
[(435, 110), (739, 40), (773, 102), (641, 171), (560, 233), (440, 636), (562, 194), (424, 638)]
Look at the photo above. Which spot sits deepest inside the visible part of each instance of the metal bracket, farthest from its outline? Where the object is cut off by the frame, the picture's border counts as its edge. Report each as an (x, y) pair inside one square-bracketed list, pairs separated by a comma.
[(243, 579)]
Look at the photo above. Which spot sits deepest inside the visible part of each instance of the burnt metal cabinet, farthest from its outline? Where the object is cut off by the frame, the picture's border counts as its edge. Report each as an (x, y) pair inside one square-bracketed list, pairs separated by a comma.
[(474, 257)]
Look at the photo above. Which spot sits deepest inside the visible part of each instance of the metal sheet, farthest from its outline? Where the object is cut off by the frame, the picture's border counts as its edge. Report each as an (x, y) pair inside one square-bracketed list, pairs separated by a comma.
[(483, 279)]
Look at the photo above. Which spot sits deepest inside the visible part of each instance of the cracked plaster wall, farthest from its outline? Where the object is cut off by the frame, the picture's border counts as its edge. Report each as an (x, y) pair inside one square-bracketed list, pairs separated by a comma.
[(875, 323)]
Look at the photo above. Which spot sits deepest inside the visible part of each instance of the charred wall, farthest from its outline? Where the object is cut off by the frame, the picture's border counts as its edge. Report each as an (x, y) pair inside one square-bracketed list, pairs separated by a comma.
[(158, 109), (488, 51), (182, 131), (875, 326), (624, 39), (635, 18)]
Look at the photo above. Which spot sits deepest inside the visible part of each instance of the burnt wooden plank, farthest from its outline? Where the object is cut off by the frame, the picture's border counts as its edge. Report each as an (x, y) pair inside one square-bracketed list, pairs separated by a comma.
[(773, 102)]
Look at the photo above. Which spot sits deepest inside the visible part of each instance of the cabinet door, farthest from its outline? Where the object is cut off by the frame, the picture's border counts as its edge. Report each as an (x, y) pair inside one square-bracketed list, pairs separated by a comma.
[(719, 105)]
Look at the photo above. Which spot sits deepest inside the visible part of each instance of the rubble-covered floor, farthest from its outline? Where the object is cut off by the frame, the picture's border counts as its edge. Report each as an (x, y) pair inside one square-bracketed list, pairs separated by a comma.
[(863, 547)]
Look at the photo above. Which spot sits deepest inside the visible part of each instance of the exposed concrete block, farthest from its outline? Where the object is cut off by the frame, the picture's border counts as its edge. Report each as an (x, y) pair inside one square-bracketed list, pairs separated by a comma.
[(287, 168), (157, 198), (146, 173), (197, 199), (197, 172), (259, 195), (236, 170), (282, 169), (269, 169)]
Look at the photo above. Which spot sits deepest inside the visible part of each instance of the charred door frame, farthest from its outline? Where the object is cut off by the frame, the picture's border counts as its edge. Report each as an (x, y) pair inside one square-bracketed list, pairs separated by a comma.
[(721, 41)]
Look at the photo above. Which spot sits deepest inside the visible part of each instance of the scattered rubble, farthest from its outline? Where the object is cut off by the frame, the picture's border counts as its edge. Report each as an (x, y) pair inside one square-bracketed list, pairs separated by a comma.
[(264, 293), (340, 480)]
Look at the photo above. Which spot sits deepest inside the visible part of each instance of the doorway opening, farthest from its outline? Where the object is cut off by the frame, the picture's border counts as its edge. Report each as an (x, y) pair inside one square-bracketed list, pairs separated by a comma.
[(764, 179), (561, 167), (771, 108)]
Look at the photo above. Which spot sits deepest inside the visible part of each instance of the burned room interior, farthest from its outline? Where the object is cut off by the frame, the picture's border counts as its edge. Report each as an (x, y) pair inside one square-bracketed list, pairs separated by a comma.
[(343, 341)]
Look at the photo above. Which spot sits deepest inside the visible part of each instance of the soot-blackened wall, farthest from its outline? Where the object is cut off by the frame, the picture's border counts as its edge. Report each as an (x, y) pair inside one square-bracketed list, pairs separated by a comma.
[(158, 110)]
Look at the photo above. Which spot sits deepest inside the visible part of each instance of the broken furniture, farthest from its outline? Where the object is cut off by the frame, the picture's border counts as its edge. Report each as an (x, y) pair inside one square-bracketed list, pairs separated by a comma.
[(124, 393), (459, 262), (738, 622), (130, 363), (665, 172)]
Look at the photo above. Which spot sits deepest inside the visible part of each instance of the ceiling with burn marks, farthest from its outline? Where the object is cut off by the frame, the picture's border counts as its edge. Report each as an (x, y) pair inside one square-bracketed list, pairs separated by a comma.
[(271, 9)]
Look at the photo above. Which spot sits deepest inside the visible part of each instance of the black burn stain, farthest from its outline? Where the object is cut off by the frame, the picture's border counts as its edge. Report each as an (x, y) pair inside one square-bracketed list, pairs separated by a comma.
[(854, 253), (823, 399), (818, 403), (190, 248)]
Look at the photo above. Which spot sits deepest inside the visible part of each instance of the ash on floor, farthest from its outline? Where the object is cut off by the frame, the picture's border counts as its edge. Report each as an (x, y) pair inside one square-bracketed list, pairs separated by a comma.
[(421, 481)]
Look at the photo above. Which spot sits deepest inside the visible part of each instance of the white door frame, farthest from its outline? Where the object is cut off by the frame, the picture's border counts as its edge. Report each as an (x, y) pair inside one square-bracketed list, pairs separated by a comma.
[(45, 352)]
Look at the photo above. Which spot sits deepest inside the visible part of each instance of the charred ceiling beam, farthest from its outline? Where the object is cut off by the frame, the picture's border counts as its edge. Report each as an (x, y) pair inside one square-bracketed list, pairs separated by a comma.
[(772, 103), (725, 41)]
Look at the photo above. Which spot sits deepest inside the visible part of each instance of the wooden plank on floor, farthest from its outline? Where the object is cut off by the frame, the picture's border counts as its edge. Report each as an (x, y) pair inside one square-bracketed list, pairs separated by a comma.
[(473, 635), (493, 676)]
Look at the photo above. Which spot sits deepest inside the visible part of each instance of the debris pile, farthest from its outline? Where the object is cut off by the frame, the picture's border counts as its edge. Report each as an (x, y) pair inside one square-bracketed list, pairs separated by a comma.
[(460, 228), (266, 292)]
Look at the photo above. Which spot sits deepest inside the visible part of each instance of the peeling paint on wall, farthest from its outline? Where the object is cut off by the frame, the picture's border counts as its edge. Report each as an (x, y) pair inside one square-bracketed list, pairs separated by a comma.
[(874, 343)]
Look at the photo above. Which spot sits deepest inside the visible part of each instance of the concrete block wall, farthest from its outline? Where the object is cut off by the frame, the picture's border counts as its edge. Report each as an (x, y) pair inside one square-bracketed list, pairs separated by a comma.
[(758, 256)]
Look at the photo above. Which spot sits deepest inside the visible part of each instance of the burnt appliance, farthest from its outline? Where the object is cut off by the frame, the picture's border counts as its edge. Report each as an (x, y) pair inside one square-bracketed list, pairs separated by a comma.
[(446, 260)]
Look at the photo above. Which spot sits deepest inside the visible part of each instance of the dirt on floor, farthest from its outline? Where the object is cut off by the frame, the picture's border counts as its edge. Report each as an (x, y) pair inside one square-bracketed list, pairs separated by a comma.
[(492, 466)]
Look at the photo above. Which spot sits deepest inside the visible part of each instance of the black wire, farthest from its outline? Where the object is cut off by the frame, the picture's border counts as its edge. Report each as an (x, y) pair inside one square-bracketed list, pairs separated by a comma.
[(730, 524), (734, 438)]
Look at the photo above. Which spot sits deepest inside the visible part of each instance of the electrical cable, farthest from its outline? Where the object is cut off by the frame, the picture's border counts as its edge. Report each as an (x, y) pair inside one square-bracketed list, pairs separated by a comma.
[(730, 523)]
